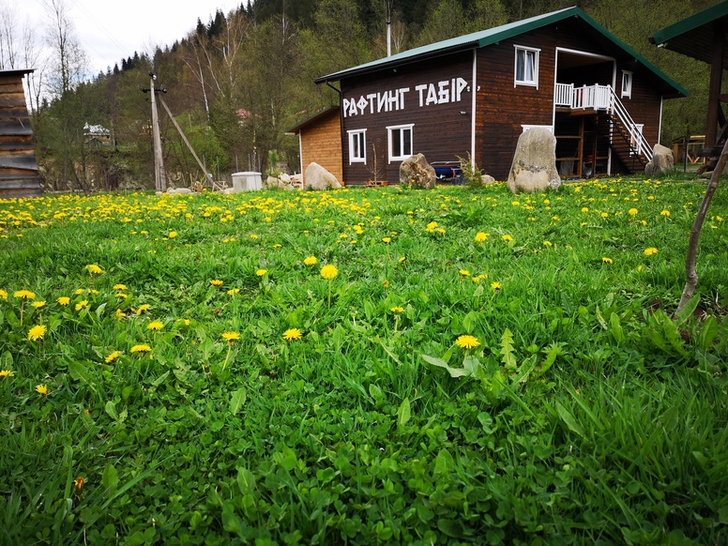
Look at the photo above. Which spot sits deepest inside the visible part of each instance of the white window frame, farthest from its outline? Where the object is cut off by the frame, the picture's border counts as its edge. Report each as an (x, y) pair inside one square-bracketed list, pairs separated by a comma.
[(627, 79), (401, 154), (526, 51), (527, 127), (361, 156)]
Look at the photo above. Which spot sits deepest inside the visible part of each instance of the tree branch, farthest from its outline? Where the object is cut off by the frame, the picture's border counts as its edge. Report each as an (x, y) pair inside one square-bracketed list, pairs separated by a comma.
[(690, 272)]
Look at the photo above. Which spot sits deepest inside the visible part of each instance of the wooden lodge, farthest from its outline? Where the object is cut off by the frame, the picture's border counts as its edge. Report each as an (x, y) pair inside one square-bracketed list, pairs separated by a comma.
[(18, 166), (477, 93)]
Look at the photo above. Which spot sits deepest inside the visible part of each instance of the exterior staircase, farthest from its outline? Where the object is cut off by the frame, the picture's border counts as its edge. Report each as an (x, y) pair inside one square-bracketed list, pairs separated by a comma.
[(615, 126)]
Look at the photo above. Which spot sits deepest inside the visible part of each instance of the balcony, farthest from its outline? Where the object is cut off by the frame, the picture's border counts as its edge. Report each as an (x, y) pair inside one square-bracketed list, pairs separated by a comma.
[(586, 97)]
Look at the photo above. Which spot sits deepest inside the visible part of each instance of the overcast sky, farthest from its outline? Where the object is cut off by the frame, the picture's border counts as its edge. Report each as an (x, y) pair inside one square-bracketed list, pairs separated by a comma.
[(110, 31)]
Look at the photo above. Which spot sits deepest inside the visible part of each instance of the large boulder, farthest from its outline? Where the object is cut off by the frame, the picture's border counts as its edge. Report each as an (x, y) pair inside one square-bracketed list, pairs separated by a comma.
[(534, 163), (318, 178), (416, 172), (662, 161)]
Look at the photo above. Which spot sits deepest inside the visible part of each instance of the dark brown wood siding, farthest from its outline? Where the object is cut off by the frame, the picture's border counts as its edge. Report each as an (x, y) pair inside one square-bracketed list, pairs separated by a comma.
[(441, 130), (18, 166), (582, 55), (503, 108)]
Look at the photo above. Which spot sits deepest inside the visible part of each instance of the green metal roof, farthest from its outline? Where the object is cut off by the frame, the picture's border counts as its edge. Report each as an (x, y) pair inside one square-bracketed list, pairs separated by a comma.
[(494, 35), (695, 35)]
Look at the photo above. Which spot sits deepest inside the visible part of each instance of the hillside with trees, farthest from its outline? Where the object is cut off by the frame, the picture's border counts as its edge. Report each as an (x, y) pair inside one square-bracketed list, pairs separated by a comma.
[(240, 80)]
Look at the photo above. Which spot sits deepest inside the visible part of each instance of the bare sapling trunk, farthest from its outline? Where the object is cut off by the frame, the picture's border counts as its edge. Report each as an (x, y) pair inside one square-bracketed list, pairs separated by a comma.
[(691, 275)]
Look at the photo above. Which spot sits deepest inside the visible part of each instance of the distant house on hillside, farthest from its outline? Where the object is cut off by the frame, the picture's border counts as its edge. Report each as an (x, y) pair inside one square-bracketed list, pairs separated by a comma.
[(477, 93), (18, 166)]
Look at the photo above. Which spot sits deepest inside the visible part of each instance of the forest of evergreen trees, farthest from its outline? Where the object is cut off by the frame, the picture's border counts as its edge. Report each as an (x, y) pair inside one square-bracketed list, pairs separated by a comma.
[(241, 79)]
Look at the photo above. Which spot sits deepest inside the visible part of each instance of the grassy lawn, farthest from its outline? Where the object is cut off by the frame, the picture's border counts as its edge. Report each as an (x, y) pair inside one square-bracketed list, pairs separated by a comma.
[(364, 366)]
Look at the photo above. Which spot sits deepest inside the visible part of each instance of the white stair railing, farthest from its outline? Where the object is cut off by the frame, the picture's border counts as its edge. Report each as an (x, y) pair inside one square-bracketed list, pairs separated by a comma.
[(603, 97), (637, 140)]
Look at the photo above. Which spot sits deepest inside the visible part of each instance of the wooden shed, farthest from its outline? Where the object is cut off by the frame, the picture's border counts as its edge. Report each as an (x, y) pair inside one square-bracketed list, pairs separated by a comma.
[(477, 93), (18, 165), (319, 141), (703, 37)]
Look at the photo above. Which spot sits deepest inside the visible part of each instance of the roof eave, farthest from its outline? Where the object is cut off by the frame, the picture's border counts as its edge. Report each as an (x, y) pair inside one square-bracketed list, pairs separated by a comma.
[(666, 34)]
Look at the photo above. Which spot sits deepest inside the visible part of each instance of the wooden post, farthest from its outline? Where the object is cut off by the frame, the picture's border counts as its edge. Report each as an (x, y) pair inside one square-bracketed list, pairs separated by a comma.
[(716, 74), (179, 130), (160, 180)]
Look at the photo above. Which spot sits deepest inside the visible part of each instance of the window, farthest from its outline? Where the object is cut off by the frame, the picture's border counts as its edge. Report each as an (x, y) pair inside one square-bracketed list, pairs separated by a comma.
[(626, 84), (400, 142), (526, 66), (527, 127), (358, 146)]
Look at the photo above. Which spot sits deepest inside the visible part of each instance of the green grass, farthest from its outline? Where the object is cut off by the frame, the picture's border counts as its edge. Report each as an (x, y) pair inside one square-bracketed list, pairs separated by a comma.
[(587, 413)]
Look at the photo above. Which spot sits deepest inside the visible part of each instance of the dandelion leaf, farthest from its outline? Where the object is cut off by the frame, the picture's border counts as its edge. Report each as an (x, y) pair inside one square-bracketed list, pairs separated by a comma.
[(470, 366), (570, 420), (237, 400), (404, 412), (508, 358)]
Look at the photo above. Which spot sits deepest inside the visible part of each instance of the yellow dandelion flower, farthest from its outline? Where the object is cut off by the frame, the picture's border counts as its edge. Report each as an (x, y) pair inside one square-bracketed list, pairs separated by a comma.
[(261, 272), (143, 308), (119, 314), (94, 269), (113, 356), (24, 294), (495, 285), (3, 295), (64, 300), (481, 236), (632, 212), (142, 348), (665, 213), (397, 309), (650, 251), (311, 260), (607, 260), (465, 272), (119, 286), (386, 239), (329, 271), (41, 389), (605, 215), (584, 209), (253, 236), (292, 334), (36, 332), (38, 304), (172, 234), (155, 325), (79, 482), (548, 243), (507, 238), (81, 304), (216, 282), (79, 292), (230, 336), (233, 291), (467, 342), (6, 373)]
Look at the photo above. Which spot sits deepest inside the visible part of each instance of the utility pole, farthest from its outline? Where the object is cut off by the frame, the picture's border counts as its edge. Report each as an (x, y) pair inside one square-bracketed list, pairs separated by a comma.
[(160, 180), (388, 6)]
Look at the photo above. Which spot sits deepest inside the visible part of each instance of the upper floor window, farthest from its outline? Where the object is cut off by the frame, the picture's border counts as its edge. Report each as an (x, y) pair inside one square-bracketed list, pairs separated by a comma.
[(400, 142), (626, 84), (526, 66), (358, 146)]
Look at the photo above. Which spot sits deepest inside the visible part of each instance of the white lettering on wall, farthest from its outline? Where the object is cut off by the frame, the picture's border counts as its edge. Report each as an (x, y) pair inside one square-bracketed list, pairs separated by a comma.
[(428, 94)]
